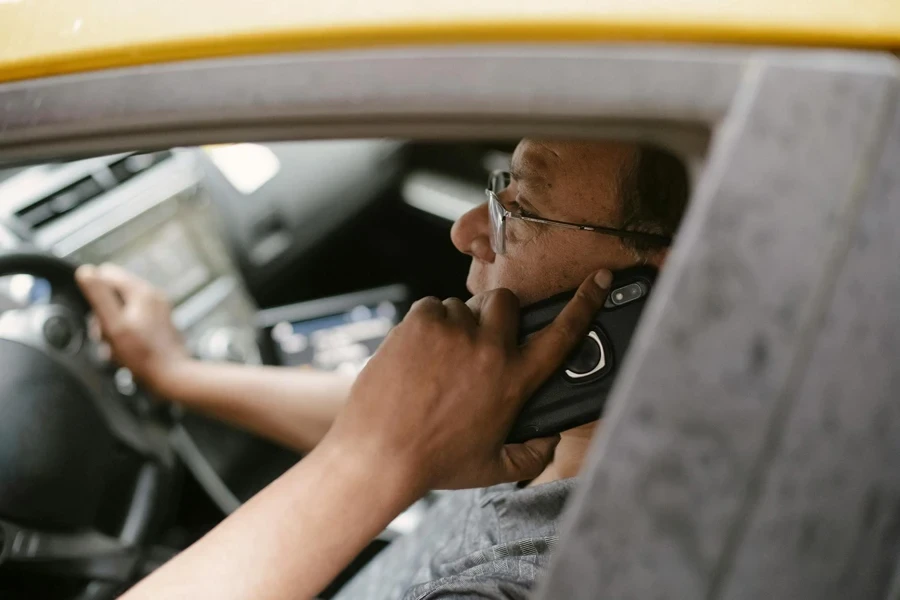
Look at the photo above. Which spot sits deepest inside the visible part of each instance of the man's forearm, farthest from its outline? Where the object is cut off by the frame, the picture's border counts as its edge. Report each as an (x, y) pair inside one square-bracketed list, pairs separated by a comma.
[(293, 538), (291, 406)]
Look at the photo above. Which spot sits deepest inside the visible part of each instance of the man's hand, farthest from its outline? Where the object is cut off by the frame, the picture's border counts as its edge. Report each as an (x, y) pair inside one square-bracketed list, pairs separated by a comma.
[(436, 402), (431, 410), (136, 320)]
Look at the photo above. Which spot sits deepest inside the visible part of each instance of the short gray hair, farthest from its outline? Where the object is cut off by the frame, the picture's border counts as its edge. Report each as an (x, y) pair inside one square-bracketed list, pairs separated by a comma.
[(654, 188)]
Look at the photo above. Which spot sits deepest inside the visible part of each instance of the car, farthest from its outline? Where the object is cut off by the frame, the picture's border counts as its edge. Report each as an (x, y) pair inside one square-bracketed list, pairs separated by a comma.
[(241, 156)]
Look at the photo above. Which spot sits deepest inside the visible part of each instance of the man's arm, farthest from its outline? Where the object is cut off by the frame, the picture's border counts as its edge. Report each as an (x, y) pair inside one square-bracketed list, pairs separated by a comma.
[(294, 407), (291, 406), (411, 424), (293, 538)]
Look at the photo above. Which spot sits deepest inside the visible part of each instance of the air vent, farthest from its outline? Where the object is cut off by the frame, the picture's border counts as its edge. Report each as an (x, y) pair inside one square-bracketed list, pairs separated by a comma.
[(75, 195), (56, 205), (133, 164)]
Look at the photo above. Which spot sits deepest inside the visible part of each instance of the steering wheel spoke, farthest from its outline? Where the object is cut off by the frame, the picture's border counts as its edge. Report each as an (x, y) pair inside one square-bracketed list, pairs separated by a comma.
[(60, 334), (87, 554), (64, 422), (21, 544)]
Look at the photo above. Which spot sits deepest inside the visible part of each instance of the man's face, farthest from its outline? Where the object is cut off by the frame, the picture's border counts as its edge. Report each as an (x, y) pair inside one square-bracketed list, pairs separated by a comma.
[(576, 182)]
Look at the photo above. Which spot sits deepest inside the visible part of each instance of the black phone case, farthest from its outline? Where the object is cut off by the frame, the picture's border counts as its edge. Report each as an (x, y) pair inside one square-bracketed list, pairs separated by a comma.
[(563, 402)]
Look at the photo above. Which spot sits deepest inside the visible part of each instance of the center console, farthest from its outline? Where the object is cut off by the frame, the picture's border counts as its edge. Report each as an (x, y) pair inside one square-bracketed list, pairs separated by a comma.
[(331, 334)]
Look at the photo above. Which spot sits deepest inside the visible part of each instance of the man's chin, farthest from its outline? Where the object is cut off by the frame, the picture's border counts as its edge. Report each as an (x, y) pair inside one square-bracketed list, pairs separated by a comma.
[(475, 283)]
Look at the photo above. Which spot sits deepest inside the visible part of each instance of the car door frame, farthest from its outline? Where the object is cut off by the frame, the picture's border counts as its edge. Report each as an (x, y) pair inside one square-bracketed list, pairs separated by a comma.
[(751, 444)]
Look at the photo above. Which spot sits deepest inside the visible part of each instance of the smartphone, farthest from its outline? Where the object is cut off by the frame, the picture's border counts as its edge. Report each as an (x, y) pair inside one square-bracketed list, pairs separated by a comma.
[(576, 393)]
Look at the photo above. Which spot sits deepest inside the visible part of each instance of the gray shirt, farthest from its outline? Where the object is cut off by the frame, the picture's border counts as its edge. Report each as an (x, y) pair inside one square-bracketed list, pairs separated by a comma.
[(486, 543)]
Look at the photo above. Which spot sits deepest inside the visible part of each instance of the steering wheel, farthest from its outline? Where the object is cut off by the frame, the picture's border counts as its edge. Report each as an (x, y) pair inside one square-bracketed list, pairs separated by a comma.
[(65, 434)]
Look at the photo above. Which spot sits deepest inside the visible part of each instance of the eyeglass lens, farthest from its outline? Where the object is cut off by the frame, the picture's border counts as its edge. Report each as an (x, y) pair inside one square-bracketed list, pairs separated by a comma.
[(498, 181)]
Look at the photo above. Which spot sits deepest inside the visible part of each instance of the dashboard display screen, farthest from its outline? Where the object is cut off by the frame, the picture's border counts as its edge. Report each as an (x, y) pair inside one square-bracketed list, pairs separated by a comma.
[(342, 336)]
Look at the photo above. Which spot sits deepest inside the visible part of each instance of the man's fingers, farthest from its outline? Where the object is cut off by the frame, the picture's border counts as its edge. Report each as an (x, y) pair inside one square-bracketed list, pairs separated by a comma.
[(427, 306), (475, 303), (125, 283), (546, 350), (497, 312), (95, 330), (458, 312), (100, 295), (521, 462)]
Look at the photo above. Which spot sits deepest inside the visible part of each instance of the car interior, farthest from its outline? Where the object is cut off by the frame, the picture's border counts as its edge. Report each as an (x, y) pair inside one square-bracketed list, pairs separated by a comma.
[(299, 254), (752, 445)]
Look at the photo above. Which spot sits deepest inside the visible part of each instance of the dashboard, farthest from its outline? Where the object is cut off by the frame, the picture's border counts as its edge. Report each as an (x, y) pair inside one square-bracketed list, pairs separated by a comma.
[(218, 229), (149, 213)]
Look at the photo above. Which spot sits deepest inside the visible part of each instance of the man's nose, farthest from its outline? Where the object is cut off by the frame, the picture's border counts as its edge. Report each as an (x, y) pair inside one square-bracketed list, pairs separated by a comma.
[(471, 234)]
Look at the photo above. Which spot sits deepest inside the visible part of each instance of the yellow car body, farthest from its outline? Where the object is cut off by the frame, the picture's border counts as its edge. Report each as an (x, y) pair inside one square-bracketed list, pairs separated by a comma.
[(40, 39), (735, 485)]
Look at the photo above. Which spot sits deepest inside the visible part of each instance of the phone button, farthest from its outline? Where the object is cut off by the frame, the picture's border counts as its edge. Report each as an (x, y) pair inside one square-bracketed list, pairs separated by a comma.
[(590, 359)]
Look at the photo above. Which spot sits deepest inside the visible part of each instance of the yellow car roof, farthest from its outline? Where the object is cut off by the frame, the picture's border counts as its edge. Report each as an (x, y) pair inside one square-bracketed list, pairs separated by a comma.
[(51, 37)]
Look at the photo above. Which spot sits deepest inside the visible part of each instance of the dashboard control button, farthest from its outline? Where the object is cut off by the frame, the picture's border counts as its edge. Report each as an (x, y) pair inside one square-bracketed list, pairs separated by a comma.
[(59, 332), (125, 382)]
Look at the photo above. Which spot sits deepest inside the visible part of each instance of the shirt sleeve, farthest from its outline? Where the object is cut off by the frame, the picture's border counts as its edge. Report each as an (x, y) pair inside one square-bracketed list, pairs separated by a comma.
[(507, 580)]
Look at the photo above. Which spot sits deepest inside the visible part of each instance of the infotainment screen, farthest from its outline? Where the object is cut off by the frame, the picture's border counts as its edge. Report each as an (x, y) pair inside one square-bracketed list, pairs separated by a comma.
[(332, 334)]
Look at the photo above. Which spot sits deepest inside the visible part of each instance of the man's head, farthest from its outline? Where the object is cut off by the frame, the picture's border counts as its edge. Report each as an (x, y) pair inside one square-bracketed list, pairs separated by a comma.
[(619, 185)]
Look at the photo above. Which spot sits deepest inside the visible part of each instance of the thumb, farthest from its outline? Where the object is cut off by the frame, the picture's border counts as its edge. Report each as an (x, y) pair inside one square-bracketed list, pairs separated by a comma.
[(525, 461)]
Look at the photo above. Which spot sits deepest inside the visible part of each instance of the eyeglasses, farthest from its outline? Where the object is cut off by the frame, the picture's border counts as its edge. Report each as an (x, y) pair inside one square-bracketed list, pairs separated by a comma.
[(500, 180)]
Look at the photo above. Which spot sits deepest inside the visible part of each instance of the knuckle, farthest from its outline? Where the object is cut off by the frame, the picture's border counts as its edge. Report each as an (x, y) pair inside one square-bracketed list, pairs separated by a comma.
[(423, 315), (424, 304), (413, 324), (116, 329), (131, 323), (491, 353), (159, 298)]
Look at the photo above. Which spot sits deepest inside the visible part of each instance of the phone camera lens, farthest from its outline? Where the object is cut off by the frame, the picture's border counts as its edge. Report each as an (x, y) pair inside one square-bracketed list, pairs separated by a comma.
[(626, 293)]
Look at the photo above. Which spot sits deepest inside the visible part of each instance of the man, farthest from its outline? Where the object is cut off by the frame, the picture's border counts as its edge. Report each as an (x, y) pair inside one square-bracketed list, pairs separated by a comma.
[(482, 543)]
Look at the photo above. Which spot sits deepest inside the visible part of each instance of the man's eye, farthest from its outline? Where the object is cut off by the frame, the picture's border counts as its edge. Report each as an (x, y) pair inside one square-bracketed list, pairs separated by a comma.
[(512, 206), (517, 209)]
